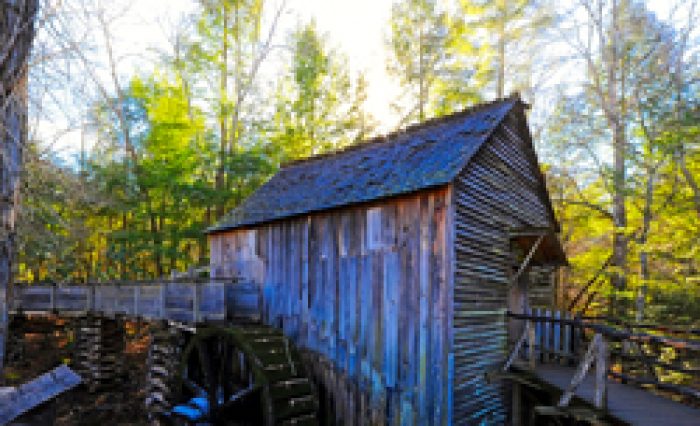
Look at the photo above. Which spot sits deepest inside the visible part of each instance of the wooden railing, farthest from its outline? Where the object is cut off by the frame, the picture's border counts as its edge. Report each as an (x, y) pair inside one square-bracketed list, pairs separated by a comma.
[(662, 357)]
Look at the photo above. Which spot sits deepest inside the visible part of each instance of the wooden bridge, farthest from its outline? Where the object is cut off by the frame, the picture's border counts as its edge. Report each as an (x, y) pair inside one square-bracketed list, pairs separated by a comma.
[(603, 371)]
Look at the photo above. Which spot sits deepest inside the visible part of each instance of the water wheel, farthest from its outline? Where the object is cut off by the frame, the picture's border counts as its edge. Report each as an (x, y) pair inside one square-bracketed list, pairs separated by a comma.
[(243, 375)]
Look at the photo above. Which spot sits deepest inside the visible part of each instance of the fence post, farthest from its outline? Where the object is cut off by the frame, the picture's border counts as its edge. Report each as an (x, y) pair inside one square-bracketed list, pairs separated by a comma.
[(53, 298), (567, 339), (547, 336), (577, 337), (195, 302), (601, 373), (557, 335), (531, 343)]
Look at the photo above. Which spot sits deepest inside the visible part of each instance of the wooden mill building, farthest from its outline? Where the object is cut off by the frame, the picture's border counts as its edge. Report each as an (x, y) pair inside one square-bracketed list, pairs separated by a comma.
[(394, 262)]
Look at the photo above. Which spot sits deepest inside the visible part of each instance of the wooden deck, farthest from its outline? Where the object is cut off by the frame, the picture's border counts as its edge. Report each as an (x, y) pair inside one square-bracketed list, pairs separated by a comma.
[(625, 402)]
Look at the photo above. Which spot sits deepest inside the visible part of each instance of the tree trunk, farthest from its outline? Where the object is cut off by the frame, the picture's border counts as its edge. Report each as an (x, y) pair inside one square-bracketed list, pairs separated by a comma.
[(221, 171), (692, 183), (16, 35), (123, 275), (619, 210), (643, 255), (615, 118), (421, 74), (501, 72)]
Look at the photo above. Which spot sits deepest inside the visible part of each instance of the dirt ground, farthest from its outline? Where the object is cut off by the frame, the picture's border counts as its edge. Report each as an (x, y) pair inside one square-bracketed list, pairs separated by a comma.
[(45, 343)]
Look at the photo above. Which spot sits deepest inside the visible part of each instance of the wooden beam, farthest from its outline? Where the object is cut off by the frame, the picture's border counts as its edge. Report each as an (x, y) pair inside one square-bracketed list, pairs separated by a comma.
[(517, 414), (516, 349), (600, 398), (581, 370), (526, 261)]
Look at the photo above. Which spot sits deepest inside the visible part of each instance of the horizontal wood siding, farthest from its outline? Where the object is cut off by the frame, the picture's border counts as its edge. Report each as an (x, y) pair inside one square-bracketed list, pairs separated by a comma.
[(367, 288), (498, 190)]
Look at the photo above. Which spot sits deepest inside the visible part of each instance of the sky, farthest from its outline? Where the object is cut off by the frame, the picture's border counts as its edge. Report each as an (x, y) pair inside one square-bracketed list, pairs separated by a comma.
[(357, 28)]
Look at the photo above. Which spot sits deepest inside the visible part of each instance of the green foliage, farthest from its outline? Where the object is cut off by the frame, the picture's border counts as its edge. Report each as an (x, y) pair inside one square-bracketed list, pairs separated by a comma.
[(205, 131), (451, 54), (659, 115), (202, 140), (418, 41), (319, 107)]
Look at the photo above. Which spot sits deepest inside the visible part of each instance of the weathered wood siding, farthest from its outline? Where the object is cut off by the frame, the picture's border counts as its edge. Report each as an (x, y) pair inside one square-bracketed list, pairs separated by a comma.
[(499, 190), (369, 288)]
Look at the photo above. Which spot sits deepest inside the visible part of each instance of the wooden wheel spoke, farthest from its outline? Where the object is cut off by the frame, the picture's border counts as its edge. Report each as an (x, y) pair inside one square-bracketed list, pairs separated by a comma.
[(208, 376), (226, 360)]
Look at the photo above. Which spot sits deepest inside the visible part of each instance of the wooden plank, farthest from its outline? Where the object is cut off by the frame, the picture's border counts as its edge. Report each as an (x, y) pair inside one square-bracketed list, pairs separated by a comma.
[(390, 317), (35, 298), (365, 332), (179, 302), (72, 298), (149, 301), (547, 337), (567, 338), (17, 401), (352, 315), (304, 258), (211, 302), (556, 330), (376, 331)]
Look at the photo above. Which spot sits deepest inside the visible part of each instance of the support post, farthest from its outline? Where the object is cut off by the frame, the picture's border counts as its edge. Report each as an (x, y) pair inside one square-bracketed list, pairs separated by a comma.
[(517, 414), (581, 370), (531, 343), (601, 374), (137, 300)]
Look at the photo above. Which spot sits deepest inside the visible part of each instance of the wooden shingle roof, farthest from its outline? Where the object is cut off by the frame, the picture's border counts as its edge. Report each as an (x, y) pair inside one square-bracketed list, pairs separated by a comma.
[(425, 155)]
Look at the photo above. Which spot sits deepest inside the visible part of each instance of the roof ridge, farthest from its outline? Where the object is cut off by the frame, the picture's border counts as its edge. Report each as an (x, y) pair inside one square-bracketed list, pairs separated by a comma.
[(395, 134)]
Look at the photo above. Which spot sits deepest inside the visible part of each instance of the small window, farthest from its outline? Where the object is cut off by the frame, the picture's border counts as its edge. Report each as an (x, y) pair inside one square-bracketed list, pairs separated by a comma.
[(374, 228)]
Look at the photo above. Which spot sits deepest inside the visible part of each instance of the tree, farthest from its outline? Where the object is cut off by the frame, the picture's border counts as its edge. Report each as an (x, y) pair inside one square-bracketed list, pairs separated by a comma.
[(503, 39), (53, 237), (616, 164), (17, 18), (418, 41), (229, 43), (319, 107), (449, 55)]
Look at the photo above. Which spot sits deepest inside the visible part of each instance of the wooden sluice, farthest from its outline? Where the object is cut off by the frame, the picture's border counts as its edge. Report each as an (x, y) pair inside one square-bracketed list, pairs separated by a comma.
[(182, 302)]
